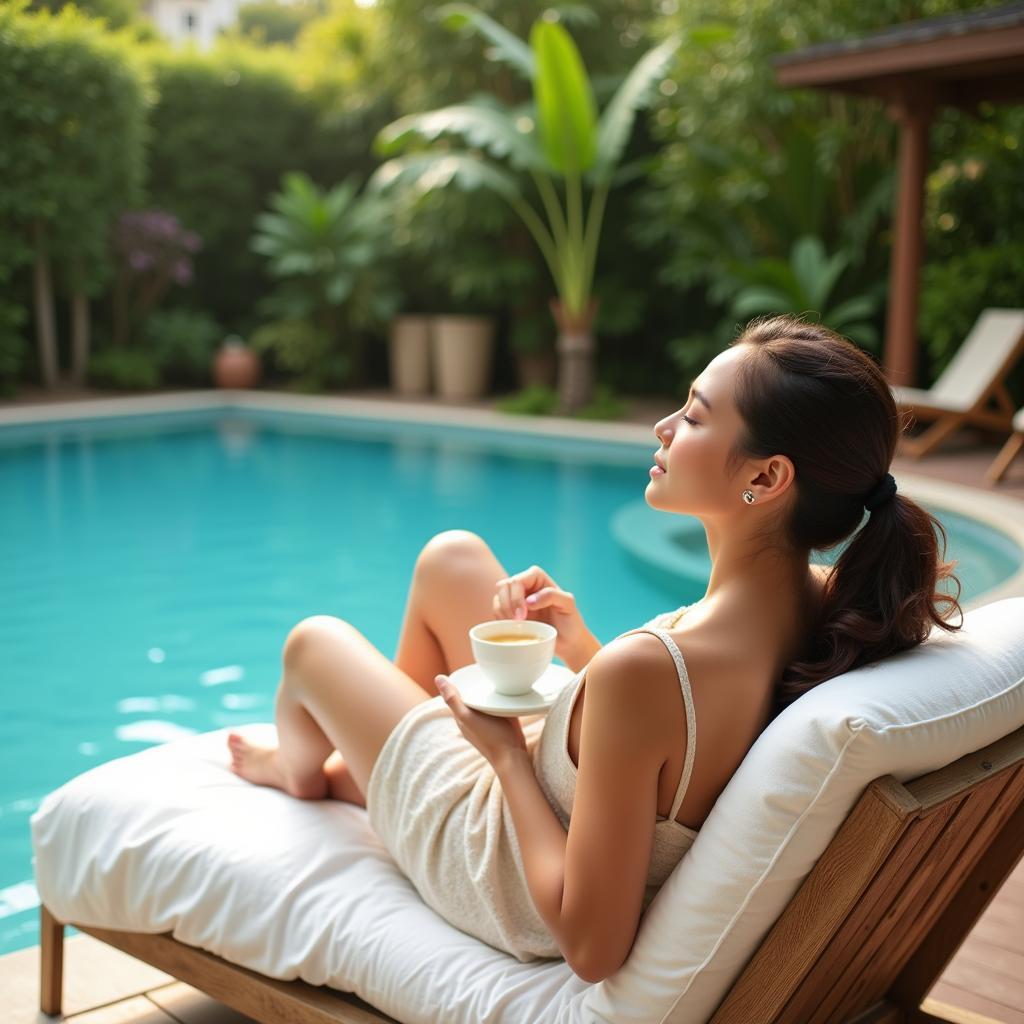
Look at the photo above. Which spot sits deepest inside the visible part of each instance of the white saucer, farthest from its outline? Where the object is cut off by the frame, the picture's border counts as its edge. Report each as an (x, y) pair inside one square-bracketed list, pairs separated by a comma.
[(478, 692)]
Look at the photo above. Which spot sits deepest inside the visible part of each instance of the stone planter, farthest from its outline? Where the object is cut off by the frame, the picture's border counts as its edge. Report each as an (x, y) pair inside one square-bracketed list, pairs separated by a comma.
[(409, 354), (463, 350), (236, 365)]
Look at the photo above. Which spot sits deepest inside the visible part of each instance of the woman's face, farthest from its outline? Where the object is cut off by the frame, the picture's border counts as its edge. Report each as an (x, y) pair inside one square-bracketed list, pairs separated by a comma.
[(695, 442)]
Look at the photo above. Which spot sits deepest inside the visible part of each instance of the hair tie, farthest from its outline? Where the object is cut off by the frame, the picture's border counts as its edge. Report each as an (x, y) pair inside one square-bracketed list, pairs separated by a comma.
[(881, 493)]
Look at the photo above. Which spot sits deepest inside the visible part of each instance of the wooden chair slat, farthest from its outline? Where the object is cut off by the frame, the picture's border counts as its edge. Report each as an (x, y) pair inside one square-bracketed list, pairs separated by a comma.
[(813, 999), (825, 897), (932, 956), (966, 818), (932, 789), (914, 906), (266, 1000)]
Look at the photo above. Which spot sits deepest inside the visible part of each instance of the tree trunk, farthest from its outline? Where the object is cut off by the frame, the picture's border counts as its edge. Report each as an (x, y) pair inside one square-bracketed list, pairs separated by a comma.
[(79, 337), (46, 331), (575, 349), (120, 308)]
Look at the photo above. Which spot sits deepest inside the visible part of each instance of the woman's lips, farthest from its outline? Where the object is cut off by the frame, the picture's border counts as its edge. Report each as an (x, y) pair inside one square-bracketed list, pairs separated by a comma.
[(657, 471)]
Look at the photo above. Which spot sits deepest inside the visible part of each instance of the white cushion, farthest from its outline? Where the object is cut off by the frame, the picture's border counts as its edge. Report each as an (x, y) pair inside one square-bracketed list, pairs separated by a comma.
[(921, 397), (169, 840)]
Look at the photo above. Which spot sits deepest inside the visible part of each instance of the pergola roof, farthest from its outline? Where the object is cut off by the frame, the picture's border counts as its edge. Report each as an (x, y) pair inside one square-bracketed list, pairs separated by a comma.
[(957, 60), (960, 59)]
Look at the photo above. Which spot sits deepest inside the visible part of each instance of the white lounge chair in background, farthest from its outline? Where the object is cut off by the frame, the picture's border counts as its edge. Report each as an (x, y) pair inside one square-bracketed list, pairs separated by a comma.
[(1009, 451), (971, 391)]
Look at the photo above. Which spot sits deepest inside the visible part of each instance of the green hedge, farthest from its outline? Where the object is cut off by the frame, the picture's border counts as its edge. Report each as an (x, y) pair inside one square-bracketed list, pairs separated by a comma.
[(74, 99)]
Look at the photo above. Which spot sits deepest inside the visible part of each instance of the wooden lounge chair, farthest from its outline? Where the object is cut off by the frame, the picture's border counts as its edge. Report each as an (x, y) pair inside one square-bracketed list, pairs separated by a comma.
[(849, 855), (971, 391), (864, 939), (1009, 451)]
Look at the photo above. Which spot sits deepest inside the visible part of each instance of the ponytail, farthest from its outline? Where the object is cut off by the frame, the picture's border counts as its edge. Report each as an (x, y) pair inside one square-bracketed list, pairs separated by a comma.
[(880, 597), (808, 393)]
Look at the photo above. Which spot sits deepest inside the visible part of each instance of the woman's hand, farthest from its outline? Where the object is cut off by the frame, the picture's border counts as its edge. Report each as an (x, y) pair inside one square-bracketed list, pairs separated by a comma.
[(494, 737), (533, 594)]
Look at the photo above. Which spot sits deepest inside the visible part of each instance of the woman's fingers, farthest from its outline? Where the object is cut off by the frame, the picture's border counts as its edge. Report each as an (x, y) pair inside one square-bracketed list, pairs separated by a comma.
[(551, 597), (510, 597), (517, 598)]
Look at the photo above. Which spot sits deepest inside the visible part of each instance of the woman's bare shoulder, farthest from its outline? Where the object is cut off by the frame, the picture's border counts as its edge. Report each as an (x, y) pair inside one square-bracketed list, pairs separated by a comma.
[(643, 665)]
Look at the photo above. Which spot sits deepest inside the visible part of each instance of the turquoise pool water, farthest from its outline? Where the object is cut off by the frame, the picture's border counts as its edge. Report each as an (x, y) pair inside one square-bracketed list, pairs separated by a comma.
[(153, 565)]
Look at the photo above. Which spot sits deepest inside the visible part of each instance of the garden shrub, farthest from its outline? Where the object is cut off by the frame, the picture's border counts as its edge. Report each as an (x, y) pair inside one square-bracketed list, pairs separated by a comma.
[(124, 369), (182, 343)]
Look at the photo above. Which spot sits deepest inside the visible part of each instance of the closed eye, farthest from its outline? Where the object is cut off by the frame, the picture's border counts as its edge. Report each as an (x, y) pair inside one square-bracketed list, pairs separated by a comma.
[(688, 420)]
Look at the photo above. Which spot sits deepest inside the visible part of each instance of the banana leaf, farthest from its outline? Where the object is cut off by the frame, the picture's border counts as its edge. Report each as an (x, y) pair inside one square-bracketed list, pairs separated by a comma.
[(483, 127), (566, 112), (423, 172), (635, 92)]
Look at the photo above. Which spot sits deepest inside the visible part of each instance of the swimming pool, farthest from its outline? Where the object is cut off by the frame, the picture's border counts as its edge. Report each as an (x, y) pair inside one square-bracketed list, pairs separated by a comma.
[(153, 565)]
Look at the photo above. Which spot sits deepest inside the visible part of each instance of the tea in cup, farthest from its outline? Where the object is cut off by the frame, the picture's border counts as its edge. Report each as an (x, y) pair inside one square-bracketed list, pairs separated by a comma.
[(513, 653)]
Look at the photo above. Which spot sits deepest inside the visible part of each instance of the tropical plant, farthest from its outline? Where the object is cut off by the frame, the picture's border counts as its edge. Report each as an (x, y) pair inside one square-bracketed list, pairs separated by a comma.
[(954, 291), (806, 284), (301, 350), (557, 136), (331, 255)]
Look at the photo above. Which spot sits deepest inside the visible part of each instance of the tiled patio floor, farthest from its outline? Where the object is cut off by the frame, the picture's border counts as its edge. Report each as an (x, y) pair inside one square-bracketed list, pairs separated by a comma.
[(983, 983)]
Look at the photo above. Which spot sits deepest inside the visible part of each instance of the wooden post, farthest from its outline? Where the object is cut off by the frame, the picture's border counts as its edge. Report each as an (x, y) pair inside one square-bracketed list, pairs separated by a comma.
[(913, 110)]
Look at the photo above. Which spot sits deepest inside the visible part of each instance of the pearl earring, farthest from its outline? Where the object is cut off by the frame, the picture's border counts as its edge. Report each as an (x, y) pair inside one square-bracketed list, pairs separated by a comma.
[(748, 496)]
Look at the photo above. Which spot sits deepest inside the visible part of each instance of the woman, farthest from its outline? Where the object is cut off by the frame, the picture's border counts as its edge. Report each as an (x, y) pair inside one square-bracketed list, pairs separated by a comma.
[(785, 439)]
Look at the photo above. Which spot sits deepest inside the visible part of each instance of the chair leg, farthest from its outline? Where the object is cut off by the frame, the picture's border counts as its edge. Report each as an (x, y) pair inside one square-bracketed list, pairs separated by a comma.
[(916, 447), (51, 975), (1002, 461)]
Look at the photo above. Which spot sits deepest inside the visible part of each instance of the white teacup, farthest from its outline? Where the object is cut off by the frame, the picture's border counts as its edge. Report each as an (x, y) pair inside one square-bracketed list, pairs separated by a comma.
[(513, 653)]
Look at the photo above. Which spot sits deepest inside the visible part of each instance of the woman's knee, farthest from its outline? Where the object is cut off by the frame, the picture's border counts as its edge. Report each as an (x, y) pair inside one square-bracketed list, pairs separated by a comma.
[(310, 634), (451, 548)]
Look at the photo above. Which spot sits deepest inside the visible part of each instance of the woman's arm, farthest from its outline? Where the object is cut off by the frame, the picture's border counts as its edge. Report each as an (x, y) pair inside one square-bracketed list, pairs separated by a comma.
[(578, 659), (588, 883), (580, 656), (541, 840)]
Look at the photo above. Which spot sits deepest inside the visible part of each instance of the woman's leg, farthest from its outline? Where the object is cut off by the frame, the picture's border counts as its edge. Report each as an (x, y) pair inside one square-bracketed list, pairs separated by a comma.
[(452, 589)]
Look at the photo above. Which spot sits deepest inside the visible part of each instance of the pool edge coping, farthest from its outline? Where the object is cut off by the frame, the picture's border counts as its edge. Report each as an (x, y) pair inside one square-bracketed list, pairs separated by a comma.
[(996, 510)]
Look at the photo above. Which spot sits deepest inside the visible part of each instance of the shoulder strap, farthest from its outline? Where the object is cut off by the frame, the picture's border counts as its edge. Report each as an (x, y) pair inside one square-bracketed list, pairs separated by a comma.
[(691, 728)]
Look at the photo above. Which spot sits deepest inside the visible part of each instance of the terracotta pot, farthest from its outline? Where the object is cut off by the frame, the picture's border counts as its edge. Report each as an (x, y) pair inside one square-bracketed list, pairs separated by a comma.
[(463, 349), (236, 366), (409, 354)]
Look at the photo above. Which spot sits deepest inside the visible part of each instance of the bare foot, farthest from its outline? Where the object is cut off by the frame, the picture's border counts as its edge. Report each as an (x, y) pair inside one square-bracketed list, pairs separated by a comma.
[(256, 763)]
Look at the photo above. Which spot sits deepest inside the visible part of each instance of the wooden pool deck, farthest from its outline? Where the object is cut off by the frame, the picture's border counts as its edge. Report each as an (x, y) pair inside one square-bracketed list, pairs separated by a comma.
[(983, 983)]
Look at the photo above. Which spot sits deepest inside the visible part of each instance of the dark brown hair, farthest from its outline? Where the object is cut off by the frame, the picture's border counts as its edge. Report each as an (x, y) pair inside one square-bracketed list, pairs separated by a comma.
[(809, 394)]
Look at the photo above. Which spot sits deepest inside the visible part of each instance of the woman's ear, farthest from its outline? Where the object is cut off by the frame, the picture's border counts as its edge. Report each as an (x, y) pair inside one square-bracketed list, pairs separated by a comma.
[(773, 478)]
